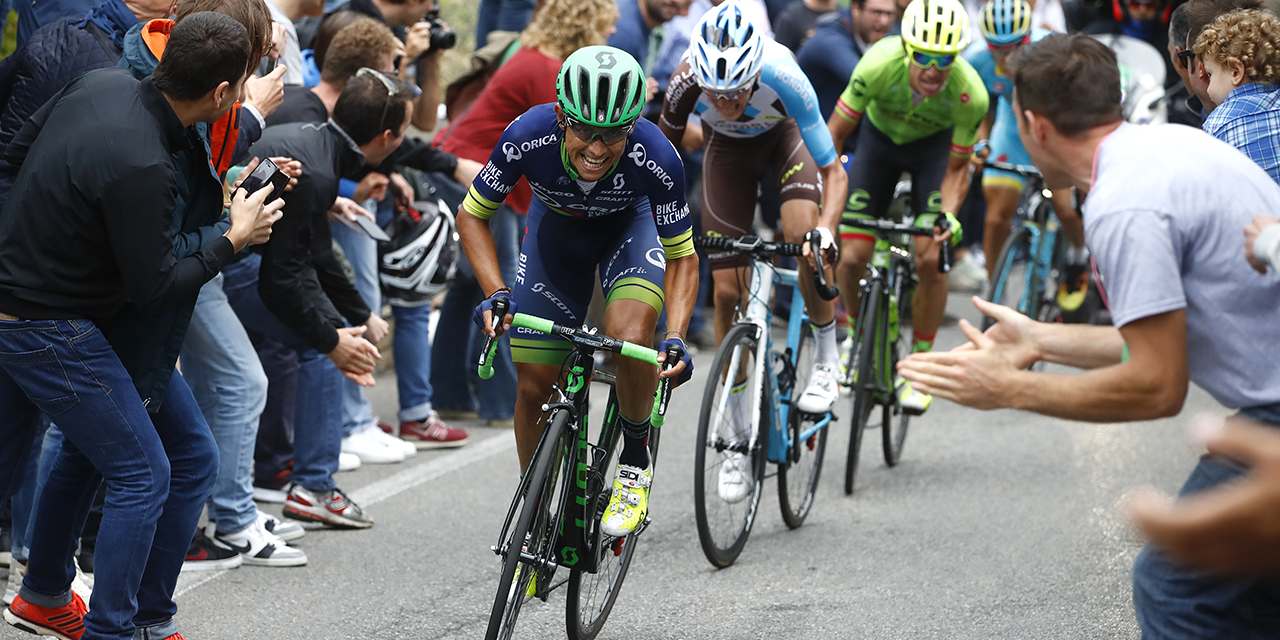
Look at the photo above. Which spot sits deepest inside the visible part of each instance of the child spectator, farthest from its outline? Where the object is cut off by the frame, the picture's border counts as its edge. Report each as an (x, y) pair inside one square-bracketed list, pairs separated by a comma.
[(1240, 51)]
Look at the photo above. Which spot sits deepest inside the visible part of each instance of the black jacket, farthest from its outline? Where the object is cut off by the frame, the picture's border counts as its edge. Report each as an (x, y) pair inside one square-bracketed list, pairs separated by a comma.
[(301, 281), (89, 224)]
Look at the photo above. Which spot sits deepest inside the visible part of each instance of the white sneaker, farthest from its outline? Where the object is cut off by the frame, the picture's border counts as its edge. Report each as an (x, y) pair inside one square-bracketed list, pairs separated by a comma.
[(82, 584), (346, 462), (286, 531), (16, 571), (735, 478), (968, 275), (278, 496), (823, 389), (260, 548), (369, 449), (407, 448)]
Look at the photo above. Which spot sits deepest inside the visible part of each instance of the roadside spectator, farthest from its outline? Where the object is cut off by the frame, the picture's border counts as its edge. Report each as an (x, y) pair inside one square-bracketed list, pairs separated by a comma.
[(112, 135), (837, 45), (502, 15), (639, 29), (794, 26), (313, 57), (526, 80), (1184, 106), (1174, 279), (364, 42), (1241, 52), (33, 15), (1146, 20), (283, 13), (1200, 14), (296, 292)]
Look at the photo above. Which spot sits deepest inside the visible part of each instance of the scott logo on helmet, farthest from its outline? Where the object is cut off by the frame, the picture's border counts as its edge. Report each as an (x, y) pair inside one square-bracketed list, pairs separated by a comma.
[(606, 60), (642, 160)]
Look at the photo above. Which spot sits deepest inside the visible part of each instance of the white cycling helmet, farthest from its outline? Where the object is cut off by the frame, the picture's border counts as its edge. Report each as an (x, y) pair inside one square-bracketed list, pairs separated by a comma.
[(726, 51), (422, 255)]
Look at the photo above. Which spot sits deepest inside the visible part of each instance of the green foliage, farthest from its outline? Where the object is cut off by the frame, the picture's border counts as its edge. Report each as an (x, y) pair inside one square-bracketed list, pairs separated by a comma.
[(461, 16), (10, 41)]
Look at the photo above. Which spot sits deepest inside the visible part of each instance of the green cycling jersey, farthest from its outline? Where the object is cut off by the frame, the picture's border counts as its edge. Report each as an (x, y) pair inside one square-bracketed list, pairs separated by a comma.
[(880, 88)]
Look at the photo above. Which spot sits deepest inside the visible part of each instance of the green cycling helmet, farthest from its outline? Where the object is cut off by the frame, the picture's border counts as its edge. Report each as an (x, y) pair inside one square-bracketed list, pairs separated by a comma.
[(601, 86)]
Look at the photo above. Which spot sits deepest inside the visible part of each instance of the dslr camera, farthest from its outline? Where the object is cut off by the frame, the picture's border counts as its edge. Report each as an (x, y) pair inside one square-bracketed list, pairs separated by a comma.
[(441, 36)]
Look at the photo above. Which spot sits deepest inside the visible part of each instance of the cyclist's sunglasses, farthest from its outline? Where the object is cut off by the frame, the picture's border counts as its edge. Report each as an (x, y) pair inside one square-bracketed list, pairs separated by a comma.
[(608, 135), (1009, 47), (727, 95), (941, 60)]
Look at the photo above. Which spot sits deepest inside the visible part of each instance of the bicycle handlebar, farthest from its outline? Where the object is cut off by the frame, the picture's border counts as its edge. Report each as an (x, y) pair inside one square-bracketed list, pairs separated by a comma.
[(1024, 170), (887, 227), (757, 246), (594, 341)]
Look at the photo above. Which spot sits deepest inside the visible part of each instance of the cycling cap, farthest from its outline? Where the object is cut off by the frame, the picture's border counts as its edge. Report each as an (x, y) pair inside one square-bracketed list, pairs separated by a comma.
[(601, 86), (726, 51), (937, 26), (1005, 22), (422, 256)]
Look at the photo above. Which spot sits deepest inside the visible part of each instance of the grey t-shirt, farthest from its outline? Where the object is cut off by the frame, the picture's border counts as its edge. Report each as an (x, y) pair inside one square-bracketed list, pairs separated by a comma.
[(291, 57), (1165, 222)]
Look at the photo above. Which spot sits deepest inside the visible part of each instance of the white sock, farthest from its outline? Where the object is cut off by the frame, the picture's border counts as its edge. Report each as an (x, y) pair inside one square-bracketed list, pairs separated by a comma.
[(825, 348), (1076, 255)]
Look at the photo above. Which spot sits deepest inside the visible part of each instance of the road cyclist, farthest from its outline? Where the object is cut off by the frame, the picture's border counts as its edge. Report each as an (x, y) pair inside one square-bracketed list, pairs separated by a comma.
[(759, 114), (923, 105), (1005, 26), (609, 195)]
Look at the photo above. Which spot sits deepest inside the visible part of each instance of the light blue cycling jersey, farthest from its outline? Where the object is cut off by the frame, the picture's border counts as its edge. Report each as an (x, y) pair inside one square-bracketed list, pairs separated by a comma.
[(784, 92), (1004, 142)]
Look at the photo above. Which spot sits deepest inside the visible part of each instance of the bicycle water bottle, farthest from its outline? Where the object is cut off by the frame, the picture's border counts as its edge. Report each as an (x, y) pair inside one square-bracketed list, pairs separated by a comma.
[(880, 258)]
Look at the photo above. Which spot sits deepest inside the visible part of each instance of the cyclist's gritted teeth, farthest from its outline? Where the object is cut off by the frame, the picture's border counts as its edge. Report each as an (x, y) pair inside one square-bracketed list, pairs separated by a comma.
[(592, 163)]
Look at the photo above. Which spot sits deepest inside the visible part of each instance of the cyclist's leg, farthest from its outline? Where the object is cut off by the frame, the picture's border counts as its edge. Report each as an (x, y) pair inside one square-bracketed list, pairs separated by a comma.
[(1074, 281), (930, 157), (872, 176), (1001, 188), (547, 285), (728, 210)]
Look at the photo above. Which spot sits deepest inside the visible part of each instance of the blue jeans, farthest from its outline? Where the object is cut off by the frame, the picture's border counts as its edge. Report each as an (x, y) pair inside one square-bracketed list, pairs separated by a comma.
[(502, 15), (24, 500), (226, 378), (1175, 603), (317, 437), (158, 469), (458, 341), (362, 253)]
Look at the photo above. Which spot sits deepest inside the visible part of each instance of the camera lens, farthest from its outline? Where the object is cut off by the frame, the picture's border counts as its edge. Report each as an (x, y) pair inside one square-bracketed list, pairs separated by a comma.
[(442, 38)]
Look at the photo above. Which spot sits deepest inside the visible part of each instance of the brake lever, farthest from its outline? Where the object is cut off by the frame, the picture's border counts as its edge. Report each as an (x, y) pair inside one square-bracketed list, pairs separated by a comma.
[(491, 343), (663, 394), (819, 273), (944, 251)]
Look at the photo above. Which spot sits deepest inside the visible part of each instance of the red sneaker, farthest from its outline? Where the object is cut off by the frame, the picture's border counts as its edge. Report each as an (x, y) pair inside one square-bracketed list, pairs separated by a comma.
[(432, 433), (66, 622)]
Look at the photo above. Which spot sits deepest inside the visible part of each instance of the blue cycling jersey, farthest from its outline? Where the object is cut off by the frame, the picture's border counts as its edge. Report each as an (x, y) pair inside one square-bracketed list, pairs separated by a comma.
[(783, 92), (532, 147), (980, 58)]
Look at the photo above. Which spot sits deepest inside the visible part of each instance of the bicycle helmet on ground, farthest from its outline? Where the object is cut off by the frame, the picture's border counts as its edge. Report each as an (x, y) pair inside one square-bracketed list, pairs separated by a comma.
[(726, 50), (422, 255), (936, 26), (601, 86), (1005, 22)]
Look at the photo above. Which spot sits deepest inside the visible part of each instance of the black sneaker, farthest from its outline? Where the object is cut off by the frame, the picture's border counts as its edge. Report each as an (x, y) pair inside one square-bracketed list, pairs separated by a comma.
[(206, 554), (331, 507)]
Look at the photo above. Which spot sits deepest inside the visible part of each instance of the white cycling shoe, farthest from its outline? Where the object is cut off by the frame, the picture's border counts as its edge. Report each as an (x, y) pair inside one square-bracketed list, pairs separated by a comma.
[(735, 478), (823, 389)]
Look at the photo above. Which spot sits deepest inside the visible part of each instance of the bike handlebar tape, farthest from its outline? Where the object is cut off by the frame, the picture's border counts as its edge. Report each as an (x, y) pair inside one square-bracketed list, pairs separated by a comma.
[(533, 322)]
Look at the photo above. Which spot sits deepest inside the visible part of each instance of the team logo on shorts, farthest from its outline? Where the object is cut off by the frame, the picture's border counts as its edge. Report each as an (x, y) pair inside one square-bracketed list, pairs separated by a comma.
[(657, 258), (512, 151)]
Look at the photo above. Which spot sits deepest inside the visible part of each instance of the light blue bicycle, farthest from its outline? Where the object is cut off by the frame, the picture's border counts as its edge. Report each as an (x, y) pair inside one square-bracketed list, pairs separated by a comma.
[(748, 415)]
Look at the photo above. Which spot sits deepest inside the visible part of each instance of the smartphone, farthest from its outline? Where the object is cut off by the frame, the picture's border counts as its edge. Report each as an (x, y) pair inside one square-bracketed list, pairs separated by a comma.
[(266, 173), (369, 227)]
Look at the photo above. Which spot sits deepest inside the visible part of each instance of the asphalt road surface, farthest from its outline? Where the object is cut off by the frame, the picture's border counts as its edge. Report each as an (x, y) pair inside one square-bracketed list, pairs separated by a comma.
[(994, 525)]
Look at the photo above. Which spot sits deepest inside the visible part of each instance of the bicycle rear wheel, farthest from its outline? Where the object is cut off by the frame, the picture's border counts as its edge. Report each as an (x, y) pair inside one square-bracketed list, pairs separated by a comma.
[(1015, 284), (893, 431), (798, 476), (723, 445), (864, 357), (533, 532), (591, 595)]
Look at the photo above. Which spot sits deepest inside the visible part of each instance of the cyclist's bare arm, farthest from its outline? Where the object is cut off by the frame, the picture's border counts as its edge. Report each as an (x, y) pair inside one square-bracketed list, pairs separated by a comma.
[(482, 253), (955, 183), (835, 185), (1151, 384), (841, 127)]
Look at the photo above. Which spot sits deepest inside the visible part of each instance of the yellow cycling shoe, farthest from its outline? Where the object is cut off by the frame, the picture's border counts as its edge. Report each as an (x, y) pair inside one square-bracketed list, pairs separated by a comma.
[(530, 591), (630, 502), (912, 402), (1074, 287)]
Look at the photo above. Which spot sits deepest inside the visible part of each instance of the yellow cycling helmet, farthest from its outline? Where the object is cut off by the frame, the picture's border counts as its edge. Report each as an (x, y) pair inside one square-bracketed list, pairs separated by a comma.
[(937, 26)]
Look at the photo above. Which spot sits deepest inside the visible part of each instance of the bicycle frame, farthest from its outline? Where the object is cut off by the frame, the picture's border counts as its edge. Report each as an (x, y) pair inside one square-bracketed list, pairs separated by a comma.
[(764, 277), (883, 268), (1044, 233)]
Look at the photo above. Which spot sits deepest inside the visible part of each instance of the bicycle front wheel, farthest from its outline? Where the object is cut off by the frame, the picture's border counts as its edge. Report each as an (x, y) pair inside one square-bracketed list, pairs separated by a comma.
[(798, 476), (531, 534), (1015, 283), (591, 595), (728, 471), (866, 379)]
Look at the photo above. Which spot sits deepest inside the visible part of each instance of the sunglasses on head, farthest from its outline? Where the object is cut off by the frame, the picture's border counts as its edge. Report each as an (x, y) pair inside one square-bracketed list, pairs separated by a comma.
[(587, 133), (941, 60)]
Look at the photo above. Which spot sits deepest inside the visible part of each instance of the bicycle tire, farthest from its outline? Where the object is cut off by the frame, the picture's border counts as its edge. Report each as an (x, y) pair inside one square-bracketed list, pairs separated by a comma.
[(525, 533), (893, 433), (798, 476), (738, 516), (585, 619), (863, 389), (1010, 282)]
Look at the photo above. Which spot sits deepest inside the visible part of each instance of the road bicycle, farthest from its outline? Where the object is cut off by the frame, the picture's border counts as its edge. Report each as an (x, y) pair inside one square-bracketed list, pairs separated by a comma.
[(553, 523), (882, 336), (1030, 265), (748, 415)]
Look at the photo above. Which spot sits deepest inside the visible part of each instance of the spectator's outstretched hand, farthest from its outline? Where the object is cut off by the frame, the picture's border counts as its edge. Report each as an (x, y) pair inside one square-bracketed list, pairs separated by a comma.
[(1232, 529)]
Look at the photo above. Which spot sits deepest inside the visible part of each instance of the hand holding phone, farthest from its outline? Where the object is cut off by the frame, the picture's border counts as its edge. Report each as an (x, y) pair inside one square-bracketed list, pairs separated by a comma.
[(266, 173)]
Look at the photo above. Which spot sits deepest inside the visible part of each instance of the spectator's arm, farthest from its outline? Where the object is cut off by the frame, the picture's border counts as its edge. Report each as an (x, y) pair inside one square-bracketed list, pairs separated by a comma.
[(420, 155)]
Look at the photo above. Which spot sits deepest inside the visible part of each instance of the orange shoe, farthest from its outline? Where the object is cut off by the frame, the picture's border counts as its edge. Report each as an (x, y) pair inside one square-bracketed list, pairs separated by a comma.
[(66, 622)]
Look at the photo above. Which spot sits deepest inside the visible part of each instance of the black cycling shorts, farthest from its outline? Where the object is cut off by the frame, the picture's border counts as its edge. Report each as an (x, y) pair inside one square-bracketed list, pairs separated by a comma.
[(877, 166)]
